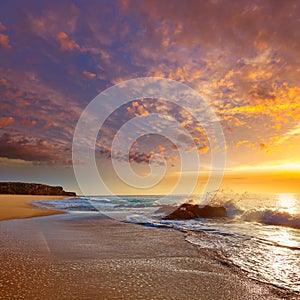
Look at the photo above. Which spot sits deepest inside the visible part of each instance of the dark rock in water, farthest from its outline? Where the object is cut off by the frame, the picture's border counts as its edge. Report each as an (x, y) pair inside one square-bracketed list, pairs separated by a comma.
[(165, 209), (192, 211), (22, 188)]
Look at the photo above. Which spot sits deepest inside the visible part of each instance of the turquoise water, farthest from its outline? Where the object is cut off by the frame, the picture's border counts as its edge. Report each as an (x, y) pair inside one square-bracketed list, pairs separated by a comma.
[(261, 234)]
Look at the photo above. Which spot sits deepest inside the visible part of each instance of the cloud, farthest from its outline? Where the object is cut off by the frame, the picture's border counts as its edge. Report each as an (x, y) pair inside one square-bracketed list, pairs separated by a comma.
[(137, 109), (54, 18), (242, 142), (204, 149), (295, 131), (205, 49), (140, 157), (25, 122), (4, 42), (136, 156), (27, 149), (48, 125), (4, 82), (262, 146), (6, 121), (160, 148), (66, 44), (214, 23), (89, 74), (243, 63)]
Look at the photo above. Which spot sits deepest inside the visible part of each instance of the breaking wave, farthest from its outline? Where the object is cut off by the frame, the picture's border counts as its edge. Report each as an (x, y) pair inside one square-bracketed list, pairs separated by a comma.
[(263, 215), (272, 217)]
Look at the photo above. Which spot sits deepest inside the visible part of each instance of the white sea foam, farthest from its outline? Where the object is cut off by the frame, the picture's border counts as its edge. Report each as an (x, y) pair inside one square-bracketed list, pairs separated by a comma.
[(272, 217)]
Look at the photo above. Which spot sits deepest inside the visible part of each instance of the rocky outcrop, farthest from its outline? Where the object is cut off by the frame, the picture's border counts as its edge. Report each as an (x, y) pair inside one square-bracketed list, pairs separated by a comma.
[(192, 211), (22, 188)]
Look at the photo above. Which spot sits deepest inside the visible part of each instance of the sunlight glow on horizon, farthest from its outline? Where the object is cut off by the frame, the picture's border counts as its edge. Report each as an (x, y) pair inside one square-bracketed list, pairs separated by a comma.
[(287, 203), (285, 167)]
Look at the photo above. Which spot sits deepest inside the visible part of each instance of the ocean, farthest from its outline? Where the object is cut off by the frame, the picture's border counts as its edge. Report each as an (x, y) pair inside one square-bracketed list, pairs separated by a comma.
[(261, 234)]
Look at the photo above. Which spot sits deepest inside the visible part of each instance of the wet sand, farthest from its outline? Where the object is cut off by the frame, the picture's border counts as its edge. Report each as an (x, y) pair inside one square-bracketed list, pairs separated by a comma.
[(19, 206), (89, 256)]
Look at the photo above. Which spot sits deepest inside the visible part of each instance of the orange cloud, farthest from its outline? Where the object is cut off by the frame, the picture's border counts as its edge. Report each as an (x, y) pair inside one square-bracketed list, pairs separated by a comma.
[(130, 110), (238, 144), (66, 44), (4, 42), (203, 150), (142, 111), (137, 109), (280, 105), (196, 141), (160, 148), (6, 121), (89, 74)]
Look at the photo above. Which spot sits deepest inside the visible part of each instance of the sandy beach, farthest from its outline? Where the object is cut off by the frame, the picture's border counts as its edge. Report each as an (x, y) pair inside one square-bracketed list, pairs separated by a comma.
[(19, 206), (90, 256)]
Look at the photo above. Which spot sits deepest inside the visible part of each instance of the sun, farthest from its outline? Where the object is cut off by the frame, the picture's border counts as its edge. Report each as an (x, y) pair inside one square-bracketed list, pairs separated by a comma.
[(287, 203)]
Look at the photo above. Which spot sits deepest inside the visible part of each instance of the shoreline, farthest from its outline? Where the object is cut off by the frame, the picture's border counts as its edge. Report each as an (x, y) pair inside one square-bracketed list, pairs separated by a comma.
[(75, 256), (90, 255), (20, 206)]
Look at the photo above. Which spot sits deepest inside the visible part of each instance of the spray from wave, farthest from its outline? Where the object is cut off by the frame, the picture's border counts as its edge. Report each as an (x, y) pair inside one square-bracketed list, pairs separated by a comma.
[(232, 202), (272, 217)]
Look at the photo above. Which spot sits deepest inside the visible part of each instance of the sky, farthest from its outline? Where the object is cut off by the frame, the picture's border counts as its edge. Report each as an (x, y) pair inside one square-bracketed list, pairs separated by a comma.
[(242, 57)]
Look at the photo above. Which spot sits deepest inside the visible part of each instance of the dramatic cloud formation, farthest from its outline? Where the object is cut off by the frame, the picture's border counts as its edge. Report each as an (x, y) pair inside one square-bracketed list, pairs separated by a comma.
[(242, 58)]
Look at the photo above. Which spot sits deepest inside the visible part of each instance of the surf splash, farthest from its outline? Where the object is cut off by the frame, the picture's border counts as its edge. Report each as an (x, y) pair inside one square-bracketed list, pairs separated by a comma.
[(268, 209), (272, 217), (245, 238)]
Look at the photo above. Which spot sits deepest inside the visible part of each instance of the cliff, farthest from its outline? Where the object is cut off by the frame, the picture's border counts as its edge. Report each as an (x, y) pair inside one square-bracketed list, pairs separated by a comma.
[(22, 188)]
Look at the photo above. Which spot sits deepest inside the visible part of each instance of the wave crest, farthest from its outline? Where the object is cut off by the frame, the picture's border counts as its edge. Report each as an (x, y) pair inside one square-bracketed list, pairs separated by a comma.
[(272, 217)]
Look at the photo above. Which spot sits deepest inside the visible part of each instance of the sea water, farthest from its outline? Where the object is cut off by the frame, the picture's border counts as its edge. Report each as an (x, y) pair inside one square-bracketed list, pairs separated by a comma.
[(261, 234)]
